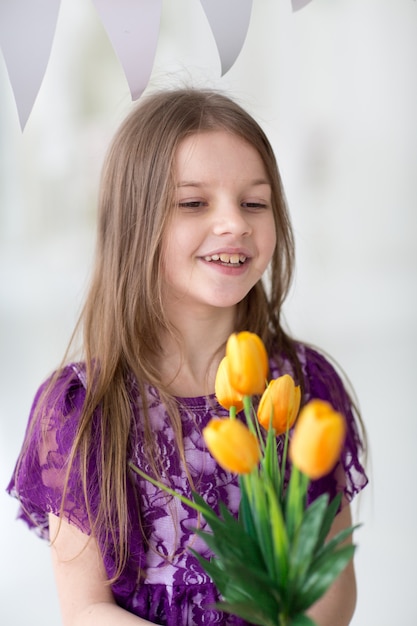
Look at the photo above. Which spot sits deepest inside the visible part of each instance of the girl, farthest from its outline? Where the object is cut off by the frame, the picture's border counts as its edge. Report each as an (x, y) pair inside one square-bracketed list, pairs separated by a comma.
[(192, 214)]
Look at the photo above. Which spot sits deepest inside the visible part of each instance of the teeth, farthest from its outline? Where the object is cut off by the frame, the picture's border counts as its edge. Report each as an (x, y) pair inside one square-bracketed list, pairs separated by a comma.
[(233, 259)]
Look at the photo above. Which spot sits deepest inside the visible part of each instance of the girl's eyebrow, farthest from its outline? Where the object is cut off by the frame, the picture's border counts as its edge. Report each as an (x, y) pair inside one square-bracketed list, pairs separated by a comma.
[(260, 181), (191, 183)]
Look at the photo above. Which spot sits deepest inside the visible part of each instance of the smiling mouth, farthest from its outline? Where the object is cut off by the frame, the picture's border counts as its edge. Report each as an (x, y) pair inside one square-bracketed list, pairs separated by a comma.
[(227, 259)]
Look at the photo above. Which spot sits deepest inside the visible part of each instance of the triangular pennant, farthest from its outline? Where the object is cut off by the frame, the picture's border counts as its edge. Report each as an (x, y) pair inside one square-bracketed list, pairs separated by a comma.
[(133, 29), (229, 21), (299, 4), (26, 34)]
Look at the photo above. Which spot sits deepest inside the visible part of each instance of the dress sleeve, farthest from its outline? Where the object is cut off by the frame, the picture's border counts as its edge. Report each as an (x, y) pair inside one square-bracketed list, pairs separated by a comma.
[(324, 383), (39, 478)]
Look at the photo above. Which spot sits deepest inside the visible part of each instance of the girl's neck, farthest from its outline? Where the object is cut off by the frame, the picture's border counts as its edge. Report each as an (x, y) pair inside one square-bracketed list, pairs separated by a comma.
[(189, 369)]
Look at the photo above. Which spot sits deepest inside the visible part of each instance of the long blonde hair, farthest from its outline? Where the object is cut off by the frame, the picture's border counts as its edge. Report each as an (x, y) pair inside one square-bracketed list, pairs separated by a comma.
[(123, 314)]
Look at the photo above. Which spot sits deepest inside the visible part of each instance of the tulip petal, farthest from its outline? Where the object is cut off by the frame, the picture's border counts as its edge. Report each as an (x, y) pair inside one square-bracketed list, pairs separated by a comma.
[(248, 363), (226, 395), (279, 404), (318, 439), (233, 446)]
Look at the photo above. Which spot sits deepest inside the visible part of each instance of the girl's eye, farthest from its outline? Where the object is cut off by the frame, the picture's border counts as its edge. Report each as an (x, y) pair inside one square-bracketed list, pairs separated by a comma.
[(254, 205), (191, 204)]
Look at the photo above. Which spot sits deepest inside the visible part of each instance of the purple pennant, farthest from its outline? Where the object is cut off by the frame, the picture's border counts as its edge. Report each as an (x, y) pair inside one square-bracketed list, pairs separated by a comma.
[(229, 21), (26, 33), (133, 29)]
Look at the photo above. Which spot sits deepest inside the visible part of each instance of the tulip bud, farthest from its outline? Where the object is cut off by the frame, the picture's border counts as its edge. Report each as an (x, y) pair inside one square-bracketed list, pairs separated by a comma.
[(318, 439), (226, 395), (248, 363), (232, 444), (281, 401)]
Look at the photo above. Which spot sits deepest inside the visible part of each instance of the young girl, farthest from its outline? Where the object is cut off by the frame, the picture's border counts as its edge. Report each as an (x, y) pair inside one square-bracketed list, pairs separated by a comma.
[(192, 214)]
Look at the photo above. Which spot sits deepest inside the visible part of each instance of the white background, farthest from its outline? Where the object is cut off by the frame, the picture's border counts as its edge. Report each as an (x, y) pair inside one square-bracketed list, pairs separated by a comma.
[(335, 87)]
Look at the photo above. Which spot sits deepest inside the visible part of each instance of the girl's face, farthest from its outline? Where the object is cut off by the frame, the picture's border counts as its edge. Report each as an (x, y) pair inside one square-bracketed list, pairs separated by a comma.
[(221, 236)]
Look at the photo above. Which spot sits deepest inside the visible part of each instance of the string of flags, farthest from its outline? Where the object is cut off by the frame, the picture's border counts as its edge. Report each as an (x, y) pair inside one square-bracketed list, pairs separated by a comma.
[(27, 29)]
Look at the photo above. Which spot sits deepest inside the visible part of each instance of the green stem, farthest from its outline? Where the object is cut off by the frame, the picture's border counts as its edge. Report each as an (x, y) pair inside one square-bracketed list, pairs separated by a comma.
[(247, 406), (284, 462), (172, 492), (232, 412), (282, 620), (252, 421)]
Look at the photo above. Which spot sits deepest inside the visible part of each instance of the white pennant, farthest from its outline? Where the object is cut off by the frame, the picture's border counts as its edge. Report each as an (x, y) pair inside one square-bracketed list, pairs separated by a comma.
[(27, 30), (299, 4), (26, 34), (133, 29), (229, 21)]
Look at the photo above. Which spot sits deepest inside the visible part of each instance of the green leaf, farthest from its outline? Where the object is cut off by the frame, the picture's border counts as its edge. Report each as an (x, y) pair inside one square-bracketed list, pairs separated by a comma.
[(229, 545), (301, 620), (328, 548), (238, 583), (322, 577), (229, 539), (261, 519), (324, 557), (328, 520), (295, 500), (248, 612), (214, 568), (245, 511), (206, 509), (279, 538), (305, 541), (226, 515)]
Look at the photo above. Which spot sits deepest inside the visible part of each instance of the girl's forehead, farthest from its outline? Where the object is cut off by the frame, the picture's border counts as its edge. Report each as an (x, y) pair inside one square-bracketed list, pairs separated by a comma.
[(215, 153), (213, 136)]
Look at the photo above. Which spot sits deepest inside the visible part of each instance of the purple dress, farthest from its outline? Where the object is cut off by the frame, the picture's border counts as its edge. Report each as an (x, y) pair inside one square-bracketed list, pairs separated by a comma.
[(175, 590)]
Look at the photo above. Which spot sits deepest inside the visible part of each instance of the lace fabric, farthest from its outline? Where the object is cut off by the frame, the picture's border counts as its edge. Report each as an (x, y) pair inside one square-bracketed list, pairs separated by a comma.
[(175, 590)]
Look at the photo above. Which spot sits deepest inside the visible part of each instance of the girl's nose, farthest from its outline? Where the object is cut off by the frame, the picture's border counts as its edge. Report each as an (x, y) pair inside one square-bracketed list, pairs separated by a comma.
[(230, 219)]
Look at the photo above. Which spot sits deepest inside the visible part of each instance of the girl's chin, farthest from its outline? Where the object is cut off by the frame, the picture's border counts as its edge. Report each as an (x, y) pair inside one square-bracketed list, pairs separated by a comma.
[(228, 301)]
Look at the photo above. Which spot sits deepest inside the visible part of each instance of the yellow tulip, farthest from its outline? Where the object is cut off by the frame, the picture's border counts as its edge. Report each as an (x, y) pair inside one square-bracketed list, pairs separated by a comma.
[(248, 363), (232, 444), (281, 400), (318, 439), (226, 395)]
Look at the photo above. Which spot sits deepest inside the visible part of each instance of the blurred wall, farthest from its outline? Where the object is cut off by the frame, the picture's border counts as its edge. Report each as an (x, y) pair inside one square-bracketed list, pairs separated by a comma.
[(335, 87)]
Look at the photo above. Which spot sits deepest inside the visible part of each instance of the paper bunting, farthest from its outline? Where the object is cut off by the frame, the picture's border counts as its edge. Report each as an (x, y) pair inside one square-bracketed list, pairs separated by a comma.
[(133, 29), (229, 22), (26, 34), (299, 4), (27, 30)]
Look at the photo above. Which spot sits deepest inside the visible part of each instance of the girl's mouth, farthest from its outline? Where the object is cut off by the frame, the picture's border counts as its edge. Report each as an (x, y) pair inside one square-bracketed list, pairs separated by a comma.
[(226, 259)]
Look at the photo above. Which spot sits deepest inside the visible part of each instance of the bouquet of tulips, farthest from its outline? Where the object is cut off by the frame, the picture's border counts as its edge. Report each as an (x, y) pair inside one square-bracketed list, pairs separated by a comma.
[(273, 562)]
